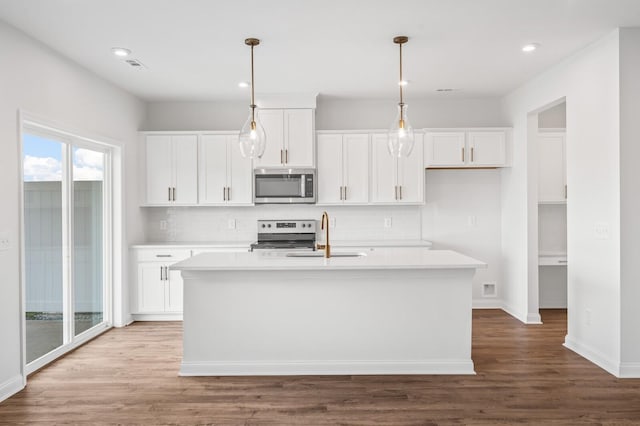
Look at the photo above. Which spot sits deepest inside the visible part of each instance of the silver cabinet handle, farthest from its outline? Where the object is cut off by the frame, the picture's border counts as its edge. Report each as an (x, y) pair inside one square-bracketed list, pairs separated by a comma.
[(341, 193), (224, 193), (565, 192), (472, 154), (400, 191), (163, 255), (281, 156), (345, 193), (463, 154), (174, 194), (161, 276), (228, 193), (286, 156), (169, 196), (396, 191), (166, 273)]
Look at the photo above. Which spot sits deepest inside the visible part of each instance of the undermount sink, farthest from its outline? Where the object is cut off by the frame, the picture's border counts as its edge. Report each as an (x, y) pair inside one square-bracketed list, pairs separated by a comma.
[(321, 254)]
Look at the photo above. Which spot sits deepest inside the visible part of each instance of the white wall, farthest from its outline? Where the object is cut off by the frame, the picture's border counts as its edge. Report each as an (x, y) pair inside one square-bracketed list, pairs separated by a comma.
[(462, 213), (554, 117), (38, 80), (589, 81), (630, 200)]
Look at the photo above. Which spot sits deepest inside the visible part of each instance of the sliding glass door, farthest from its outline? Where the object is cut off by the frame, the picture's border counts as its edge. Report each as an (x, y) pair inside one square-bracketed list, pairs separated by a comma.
[(64, 241)]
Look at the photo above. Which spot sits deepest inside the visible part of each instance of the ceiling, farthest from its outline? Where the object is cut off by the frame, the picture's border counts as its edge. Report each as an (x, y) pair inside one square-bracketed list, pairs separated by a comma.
[(194, 49)]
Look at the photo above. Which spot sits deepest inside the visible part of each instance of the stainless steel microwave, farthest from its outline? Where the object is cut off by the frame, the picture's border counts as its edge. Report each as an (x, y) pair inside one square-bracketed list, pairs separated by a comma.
[(284, 186)]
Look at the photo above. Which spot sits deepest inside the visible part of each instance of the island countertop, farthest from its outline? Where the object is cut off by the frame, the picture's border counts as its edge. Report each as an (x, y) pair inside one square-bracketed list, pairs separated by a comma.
[(379, 258)]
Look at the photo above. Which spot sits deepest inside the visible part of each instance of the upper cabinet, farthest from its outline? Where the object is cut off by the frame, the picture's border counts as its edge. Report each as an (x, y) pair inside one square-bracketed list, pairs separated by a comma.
[(396, 180), (172, 169), (290, 137), (552, 174), (465, 148), (343, 168), (224, 175)]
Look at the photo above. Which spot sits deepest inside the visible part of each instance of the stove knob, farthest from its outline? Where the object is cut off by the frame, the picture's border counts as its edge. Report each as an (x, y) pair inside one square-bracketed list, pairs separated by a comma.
[(303, 225), (269, 225), (309, 225), (263, 225)]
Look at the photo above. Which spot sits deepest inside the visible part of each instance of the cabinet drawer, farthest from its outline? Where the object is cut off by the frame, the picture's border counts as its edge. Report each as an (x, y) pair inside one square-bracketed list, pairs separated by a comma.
[(163, 255)]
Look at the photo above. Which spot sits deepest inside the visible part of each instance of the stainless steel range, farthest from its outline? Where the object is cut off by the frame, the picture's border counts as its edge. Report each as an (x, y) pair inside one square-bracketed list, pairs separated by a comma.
[(286, 235)]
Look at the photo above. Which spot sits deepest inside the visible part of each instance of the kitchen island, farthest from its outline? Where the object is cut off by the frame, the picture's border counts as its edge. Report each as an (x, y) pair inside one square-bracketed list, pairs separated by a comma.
[(386, 311)]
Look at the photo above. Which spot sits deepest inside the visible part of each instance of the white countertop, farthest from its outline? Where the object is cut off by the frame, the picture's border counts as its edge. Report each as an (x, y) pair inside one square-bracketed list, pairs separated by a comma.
[(245, 244), (379, 258)]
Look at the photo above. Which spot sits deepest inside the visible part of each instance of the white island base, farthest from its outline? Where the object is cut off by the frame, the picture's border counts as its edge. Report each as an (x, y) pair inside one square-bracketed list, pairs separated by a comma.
[(245, 315)]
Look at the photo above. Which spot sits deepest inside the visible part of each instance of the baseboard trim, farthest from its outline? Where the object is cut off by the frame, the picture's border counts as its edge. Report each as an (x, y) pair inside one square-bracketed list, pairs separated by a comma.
[(592, 355), (527, 318), (314, 368), (629, 370), (486, 304), (534, 318), (11, 387), (156, 317)]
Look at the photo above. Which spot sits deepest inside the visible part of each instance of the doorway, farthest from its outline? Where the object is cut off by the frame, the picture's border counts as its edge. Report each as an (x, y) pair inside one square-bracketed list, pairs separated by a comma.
[(66, 238), (552, 207)]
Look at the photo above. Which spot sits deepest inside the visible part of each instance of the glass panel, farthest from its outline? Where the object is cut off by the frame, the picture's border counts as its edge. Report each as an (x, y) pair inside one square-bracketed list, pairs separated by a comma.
[(278, 186), (88, 178), (42, 160)]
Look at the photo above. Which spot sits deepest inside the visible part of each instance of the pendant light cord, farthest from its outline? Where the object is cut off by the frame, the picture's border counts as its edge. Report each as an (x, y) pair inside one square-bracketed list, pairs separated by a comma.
[(401, 82), (253, 102)]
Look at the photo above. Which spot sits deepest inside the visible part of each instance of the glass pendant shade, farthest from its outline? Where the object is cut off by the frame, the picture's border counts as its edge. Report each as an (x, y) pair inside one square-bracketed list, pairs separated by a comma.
[(401, 137), (252, 139)]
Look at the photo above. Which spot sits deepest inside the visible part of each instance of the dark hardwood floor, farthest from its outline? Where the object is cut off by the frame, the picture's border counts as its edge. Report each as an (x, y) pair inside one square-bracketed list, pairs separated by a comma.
[(525, 376)]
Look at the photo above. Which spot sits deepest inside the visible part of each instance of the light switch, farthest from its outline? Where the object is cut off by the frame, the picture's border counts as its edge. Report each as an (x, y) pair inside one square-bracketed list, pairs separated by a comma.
[(5, 242), (601, 231)]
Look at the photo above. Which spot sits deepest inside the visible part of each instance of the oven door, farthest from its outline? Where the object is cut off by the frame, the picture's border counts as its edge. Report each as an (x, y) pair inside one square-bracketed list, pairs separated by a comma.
[(284, 186)]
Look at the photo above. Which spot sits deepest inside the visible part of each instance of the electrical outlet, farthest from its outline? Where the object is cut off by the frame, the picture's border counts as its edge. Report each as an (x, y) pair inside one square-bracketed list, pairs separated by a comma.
[(332, 222), (5, 242), (472, 221), (163, 225), (387, 222), (231, 224)]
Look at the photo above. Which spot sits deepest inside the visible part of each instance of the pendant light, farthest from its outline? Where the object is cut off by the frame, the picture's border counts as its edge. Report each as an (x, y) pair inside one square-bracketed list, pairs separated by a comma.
[(252, 139), (401, 138)]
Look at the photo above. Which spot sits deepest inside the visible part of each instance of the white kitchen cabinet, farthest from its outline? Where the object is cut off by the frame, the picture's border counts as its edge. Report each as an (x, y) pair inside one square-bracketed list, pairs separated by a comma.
[(465, 148), (225, 177), (343, 168), (290, 137), (552, 175), (172, 169), (158, 290), (396, 180)]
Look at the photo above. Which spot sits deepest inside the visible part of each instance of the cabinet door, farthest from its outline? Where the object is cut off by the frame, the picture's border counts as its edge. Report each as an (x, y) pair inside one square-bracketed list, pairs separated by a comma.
[(356, 168), (551, 168), (330, 164), (298, 137), (239, 175), (185, 154), (150, 287), (273, 122), (486, 149), (213, 169), (159, 169), (411, 174), (173, 295), (383, 169), (445, 149)]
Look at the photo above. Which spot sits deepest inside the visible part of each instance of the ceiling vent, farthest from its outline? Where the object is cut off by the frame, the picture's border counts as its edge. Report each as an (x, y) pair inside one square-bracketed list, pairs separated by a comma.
[(135, 63)]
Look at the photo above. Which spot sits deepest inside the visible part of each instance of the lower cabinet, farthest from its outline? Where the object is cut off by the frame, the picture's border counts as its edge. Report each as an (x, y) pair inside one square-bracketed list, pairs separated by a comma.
[(158, 290)]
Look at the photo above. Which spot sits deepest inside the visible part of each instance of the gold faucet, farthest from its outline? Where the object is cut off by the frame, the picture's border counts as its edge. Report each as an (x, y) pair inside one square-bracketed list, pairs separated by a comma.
[(326, 246)]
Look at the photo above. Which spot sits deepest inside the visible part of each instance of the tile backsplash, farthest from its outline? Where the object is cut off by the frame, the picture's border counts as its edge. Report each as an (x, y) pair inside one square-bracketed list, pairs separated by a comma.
[(211, 224)]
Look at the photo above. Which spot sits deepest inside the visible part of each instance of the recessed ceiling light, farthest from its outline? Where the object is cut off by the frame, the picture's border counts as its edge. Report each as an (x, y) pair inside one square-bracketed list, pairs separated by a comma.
[(244, 84), (403, 82), (530, 47), (120, 51)]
